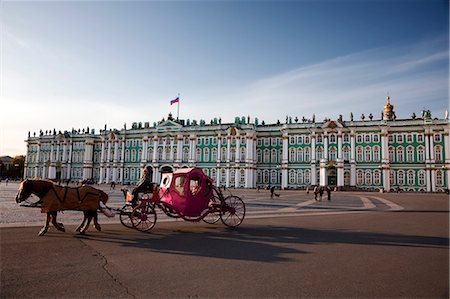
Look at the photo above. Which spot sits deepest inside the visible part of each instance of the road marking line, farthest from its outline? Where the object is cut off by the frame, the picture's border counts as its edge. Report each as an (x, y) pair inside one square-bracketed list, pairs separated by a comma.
[(390, 204), (367, 203)]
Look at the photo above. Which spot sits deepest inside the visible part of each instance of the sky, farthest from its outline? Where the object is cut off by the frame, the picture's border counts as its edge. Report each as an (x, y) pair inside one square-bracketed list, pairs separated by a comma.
[(79, 64)]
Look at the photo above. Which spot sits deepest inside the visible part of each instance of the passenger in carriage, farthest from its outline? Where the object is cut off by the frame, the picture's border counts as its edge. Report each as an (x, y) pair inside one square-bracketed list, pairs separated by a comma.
[(144, 185)]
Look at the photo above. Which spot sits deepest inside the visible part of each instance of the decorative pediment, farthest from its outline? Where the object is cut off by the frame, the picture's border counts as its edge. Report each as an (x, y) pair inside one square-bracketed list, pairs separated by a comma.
[(332, 124), (169, 124)]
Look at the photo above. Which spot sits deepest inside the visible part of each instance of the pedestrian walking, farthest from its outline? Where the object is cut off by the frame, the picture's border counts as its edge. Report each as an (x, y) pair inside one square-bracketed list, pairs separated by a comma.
[(320, 193), (328, 192), (316, 190)]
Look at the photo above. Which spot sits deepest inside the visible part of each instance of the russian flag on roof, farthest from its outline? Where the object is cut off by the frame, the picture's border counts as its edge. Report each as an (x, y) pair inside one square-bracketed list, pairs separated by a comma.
[(175, 101)]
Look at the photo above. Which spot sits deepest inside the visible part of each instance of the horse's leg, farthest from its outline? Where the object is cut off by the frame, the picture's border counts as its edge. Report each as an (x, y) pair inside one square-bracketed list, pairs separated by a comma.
[(96, 224), (89, 218), (45, 228), (59, 226), (82, 223)]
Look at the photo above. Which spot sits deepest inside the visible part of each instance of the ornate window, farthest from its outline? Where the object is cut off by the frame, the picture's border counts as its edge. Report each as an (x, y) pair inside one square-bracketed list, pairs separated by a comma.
[(359, 154), (332, 154), (392, 177), (185, 154), (307, 156), (359, 177), (300, 154), (259, 156), (368, 178), (410, 177), (367, 154), (214, 154), (421, 154), (399, 154), (242, 153), (376, 153), (410, 154), (292, 155), (421, 178), (438, 152), (266, 156), (439, 178), (400, 138), (376, 177), (332, 138), (307, 177), (273, 157), (400, 177), (198, 156), (300, 177), (419, 138), (437, 137), (206, 154), (319, 153), (346, 153), (291, 176)]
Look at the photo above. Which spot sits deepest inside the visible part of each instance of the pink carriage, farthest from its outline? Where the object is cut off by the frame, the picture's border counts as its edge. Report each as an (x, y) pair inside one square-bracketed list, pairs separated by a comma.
[(188, 194)]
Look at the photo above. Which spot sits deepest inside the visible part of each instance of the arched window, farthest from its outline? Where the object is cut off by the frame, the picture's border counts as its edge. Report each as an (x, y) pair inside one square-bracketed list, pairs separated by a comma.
[(214, 154), (133, 155), (332, 138), (332, 153), (266, 156), (347, 153), (376, 177), (273, 157), (410, 177), (439, 178), (292, 177), (359, 154), (292, 155), (376, 153), (175, 152), (266, 176), (242, 177), (438, 152), (391, 154), (242, 153), (319, 153), (400, 177), (185, 154), (233, 154), (392, 177), (300, 154), (307, 156), (359, 178), (421, 178), (206, 154), (400, 154), (160, 154), (223, 155), (368, 178), (300, 177), (347, 178), (307, 177), (421, 154), (410, 154), (367, 154), (198, 157), (139, 155), (259, 156)]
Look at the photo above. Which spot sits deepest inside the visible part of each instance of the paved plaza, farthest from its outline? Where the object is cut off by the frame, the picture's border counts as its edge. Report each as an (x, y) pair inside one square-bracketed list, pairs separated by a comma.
[(355, 245)]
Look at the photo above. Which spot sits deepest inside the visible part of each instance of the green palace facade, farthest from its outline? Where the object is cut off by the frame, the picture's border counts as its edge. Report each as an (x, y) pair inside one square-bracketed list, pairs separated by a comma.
[(367, 154)]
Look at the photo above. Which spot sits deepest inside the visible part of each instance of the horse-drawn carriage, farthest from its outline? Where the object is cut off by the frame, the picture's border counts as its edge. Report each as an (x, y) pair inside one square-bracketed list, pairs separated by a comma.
[(187, 194)]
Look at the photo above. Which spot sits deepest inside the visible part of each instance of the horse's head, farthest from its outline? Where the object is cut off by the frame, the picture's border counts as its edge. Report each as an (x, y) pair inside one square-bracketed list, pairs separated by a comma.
[(103, 196), (25, 190)]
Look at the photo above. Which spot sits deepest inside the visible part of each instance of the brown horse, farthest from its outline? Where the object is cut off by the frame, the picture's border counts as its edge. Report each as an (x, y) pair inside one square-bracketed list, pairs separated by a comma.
[(54, 198)]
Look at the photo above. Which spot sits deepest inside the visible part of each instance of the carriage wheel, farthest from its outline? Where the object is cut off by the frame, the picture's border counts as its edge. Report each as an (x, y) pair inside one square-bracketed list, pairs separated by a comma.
[(125, 215), (212, 218), (143, 217), (232, 211)]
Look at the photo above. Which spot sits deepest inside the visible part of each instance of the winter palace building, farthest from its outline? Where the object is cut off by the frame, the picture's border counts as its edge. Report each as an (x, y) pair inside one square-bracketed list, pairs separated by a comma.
[(388, 153)]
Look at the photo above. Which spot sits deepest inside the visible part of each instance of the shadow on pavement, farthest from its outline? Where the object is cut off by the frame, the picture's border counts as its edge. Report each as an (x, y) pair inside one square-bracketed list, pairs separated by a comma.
[(255, 243)]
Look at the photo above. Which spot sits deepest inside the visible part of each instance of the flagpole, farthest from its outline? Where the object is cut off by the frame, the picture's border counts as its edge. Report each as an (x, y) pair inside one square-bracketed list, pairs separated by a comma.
[(178, 108)]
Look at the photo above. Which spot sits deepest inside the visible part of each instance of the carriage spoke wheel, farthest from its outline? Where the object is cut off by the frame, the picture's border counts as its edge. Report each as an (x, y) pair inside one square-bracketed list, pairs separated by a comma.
[(212, 218), (143, 217), (233, 211), (125, 215)]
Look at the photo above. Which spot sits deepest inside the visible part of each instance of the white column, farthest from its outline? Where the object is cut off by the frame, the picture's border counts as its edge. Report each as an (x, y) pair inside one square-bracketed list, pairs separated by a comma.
[(323, 172), (352, 159), (52, 168), (237, 176), (447, 157), (228, 148), (171, 156), (116, 151), (227, 177), (164, 156), (313, 159), (339, 136), (219, 152), (325, 146), (69, 161), (155, 151), (340, 172), (284, 161), (237, 157), (179, 157)]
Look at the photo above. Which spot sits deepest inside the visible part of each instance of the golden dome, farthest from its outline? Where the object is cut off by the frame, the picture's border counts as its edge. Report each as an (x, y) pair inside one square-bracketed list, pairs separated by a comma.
[(388, 107)]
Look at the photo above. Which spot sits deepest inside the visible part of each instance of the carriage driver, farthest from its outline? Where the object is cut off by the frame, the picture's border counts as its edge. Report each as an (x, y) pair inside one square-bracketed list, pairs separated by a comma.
[(144, 185)]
